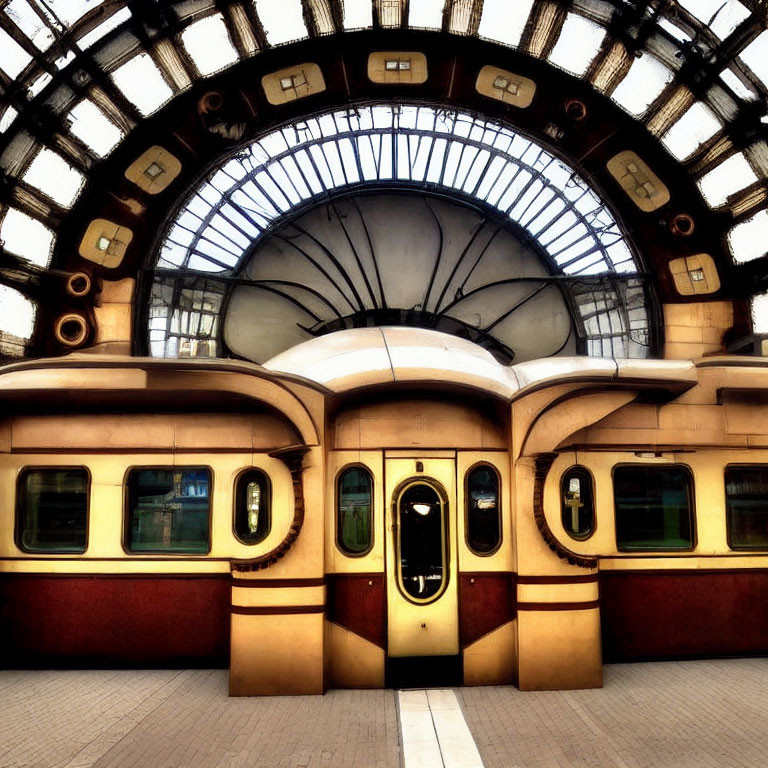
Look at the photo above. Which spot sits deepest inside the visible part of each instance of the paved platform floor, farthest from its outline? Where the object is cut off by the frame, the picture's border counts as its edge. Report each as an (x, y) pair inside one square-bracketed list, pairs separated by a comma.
[(672, 714)]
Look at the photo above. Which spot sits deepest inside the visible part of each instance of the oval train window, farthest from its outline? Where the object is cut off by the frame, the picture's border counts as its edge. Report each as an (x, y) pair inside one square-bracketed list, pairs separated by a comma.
[(483, 510), (354, 511), (577, 503), (253, 507), (422, 542)]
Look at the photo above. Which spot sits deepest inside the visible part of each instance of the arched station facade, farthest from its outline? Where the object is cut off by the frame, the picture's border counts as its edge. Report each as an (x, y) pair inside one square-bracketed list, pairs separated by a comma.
[(383, 342)]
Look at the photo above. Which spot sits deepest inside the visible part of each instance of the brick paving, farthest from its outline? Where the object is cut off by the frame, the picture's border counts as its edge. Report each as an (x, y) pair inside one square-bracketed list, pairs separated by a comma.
[(692, 714), (666, 715)]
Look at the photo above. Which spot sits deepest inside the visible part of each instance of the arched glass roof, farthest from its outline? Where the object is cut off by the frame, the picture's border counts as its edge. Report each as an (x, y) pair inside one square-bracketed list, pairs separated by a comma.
[(78, 76), (416, 147)]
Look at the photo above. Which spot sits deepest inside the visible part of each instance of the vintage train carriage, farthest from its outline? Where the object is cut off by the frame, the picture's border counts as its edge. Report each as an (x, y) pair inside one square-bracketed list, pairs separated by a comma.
[(382, 342), (516, 525)]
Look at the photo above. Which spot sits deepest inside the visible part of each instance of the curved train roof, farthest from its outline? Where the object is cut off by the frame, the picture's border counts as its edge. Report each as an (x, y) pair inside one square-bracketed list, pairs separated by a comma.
[(367, 357)]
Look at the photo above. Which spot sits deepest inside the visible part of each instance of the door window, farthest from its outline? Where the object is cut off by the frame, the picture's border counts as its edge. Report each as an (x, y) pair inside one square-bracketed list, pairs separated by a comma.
[(422, 542), (483, 518)]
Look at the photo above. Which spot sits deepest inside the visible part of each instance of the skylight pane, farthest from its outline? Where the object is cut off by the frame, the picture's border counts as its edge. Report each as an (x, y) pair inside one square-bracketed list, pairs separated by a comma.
[(55, 177), (103, 29), (196, 261), (760, 313), (283, 20), (390, 12), (69, 11), (13, 58), (208, 43), (289, 166), (730, 176), (17, 313), (755, 56), (7, 119), (62, 61), (749, 240), (646, 79), (91, 126), (358, 15), (578, 44), (673, 29), (349, 161), (141, 82), (696, 125), (426, 13), (721, 16), (26, 237), (303, 161), (39, 83), (284, 183), (504, 21), (21, 12), (728, 18), (385, 158), (367, 151), (735, 83)]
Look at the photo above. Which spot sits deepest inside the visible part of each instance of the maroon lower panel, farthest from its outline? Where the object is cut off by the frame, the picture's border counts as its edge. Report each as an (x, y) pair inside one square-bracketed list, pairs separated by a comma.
[(358, 602), (486, 601), (114, 620), (665, 614)]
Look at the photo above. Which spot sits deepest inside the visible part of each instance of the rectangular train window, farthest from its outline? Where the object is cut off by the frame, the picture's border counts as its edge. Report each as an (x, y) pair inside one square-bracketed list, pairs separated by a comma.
[(746, 507), (52, 511), (168, 510), (654, 507)]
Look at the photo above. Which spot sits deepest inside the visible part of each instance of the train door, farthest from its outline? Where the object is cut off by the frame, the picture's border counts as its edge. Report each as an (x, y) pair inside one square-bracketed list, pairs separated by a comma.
[(422, 568)]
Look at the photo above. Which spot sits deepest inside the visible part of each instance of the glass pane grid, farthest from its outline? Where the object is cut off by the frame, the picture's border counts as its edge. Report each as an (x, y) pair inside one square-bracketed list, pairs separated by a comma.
[(220, 223)]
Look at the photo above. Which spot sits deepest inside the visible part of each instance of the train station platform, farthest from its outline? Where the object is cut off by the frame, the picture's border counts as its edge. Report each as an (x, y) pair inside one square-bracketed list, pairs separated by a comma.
[(666, 714)]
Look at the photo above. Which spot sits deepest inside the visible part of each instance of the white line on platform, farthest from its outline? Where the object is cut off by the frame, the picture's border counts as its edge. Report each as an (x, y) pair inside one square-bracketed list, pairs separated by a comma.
[(434, 733)]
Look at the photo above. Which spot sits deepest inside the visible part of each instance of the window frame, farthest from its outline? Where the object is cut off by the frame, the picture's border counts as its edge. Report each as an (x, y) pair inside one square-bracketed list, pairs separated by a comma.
[(336, 500), (18, 517), (727, 516), (127, 518), (467, 473), (588, 472), (241, 477), (445, 543), (691, 508)]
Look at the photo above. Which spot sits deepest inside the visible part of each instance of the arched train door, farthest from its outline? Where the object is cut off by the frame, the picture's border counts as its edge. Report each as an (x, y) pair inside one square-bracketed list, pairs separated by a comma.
[(422, 570)]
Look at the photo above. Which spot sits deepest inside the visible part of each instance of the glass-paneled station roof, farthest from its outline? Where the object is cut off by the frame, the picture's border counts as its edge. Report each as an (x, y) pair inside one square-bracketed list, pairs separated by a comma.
[(246, 175)]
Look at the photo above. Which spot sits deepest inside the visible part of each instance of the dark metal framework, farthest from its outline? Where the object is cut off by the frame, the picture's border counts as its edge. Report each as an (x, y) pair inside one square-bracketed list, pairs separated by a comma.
[(60, 53), (419, 148)]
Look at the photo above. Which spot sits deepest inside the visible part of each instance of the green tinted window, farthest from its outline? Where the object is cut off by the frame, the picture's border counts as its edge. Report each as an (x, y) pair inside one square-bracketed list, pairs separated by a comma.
[(746, 503), (168, 510), (52, 510), (354, 513), (653, 507)]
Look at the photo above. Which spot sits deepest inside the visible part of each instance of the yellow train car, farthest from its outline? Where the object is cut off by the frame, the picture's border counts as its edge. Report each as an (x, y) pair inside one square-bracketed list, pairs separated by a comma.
[(382, 343), (324, 534)]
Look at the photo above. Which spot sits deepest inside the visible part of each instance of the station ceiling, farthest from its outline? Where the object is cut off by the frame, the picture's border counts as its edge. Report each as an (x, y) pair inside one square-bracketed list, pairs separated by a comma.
[(113, 115)]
